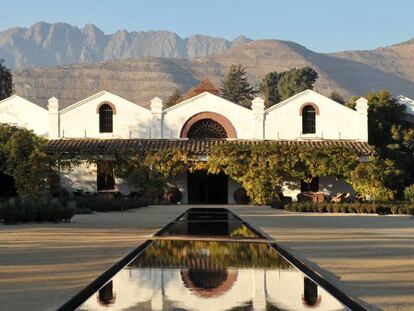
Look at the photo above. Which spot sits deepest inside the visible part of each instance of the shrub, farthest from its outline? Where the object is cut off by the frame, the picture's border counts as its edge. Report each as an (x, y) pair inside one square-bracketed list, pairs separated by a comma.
[(360, 208), (89, 204), (394, 209), (344, 208), (322, 208), (276, 203), (409, 193), (17, 210)]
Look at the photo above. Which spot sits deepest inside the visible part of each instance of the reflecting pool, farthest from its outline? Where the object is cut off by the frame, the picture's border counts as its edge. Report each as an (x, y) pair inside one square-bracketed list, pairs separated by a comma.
[(217, 275)]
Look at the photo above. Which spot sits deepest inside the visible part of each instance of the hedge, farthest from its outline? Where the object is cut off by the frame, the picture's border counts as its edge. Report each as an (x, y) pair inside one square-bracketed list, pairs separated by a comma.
[(86, 205), (17, 210), (401, 208)]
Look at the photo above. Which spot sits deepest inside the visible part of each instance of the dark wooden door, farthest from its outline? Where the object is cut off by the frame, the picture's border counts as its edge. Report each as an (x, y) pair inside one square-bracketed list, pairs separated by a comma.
[(204, 188)]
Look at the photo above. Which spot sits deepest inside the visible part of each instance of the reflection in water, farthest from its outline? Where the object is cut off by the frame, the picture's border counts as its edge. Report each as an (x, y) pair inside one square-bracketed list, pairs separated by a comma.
[(212, 276), (233, 229), (106, 294), (310, 295)]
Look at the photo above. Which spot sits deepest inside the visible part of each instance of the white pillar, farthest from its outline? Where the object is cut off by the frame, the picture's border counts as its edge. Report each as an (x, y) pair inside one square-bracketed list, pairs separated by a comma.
[(259, 294), (362, 109), (157, 118), (54, 126), (258, 118)]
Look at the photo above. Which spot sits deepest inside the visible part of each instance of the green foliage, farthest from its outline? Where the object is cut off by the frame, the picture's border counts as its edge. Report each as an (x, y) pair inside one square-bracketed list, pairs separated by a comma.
[(108, 205), (358, 207), (149, 172), (262, 168), (375, 178), (338, 97), (25, 209), (392, 136), (295, 81), (6, 81), (384, 113), (409, 193), (174, 98), (235, 86), (22, 156), (268, 87), (279, 86)]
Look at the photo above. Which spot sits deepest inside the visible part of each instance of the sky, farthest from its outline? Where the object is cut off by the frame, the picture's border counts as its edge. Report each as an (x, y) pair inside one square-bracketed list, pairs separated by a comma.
[(320, 25)]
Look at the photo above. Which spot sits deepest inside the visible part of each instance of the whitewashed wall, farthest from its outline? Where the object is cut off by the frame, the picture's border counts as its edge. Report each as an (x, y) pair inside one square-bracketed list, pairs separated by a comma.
[(282, 121), (18, 111), (175, 117), (332, 186), (80, 177), (82, 119), (335, 121), (84, 177)]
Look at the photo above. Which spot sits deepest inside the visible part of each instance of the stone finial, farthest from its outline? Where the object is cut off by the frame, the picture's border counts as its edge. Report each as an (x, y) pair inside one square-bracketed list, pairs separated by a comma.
[(54, 126), (362, 105), (156, 105), (258, 104), (53, 104)]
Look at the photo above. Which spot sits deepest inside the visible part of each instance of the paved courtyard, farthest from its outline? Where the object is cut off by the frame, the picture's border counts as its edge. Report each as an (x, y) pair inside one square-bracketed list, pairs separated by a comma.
[(369, 257)]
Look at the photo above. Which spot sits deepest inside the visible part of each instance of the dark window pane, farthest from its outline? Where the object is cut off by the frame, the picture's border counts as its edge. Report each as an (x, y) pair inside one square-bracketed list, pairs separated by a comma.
[(312, 186), (105, 118), (105, 176), (308, 120)]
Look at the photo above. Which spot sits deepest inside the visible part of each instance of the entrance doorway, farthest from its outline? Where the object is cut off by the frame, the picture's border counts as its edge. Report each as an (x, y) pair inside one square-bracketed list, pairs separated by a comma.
[(7, 186), (204, 188)]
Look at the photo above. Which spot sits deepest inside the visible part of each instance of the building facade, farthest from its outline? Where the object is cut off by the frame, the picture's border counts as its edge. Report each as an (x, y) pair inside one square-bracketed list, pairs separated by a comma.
[(201, 118)]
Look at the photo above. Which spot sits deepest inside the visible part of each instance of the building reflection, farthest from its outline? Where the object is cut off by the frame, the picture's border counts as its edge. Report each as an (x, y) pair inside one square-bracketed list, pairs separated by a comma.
[(106, 295), (201, 275)]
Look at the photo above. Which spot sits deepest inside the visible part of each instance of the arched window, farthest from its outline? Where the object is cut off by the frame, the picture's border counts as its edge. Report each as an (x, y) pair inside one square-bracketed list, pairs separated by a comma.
[(105, 119), (308, 120), (207, 128)]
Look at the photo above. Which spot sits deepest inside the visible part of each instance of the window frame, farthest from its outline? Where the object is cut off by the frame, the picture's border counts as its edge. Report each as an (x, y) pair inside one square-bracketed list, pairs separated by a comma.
[(308, 113), (106, 118)]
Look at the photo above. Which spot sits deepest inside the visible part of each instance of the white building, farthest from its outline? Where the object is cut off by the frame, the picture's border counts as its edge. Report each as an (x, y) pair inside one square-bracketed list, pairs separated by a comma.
[(105, 121)]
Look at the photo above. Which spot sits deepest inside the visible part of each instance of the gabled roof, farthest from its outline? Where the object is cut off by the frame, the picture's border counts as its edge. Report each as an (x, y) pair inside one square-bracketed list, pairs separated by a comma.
[(95, 96), (197, 97), (300, 95), (14, 96)]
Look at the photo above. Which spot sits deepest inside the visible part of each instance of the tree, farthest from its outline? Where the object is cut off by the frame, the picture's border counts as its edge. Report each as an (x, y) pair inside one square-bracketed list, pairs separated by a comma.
[(174, 98), (6, 81), (336, 96), (235, 86), (392, 137), (279, 86), (268, 87), (295, 81), (23, 156)]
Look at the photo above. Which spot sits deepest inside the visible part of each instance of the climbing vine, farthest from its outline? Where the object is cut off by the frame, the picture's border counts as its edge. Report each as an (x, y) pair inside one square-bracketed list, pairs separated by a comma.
[(261, 168)]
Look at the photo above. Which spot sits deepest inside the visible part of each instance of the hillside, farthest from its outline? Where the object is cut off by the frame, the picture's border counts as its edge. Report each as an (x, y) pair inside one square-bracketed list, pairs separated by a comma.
[(397, 59), (139, 80)]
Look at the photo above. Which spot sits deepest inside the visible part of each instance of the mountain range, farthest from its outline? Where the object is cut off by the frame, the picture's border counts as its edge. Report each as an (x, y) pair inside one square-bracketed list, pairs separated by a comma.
[(72, 63)]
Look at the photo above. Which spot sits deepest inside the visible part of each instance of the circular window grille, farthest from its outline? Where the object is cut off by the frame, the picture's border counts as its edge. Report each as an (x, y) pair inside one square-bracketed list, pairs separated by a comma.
[(207, 128)]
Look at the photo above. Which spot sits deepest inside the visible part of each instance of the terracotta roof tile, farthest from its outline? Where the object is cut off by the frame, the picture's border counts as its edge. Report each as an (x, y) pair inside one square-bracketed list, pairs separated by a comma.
[(205, 86), (92, 146)]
